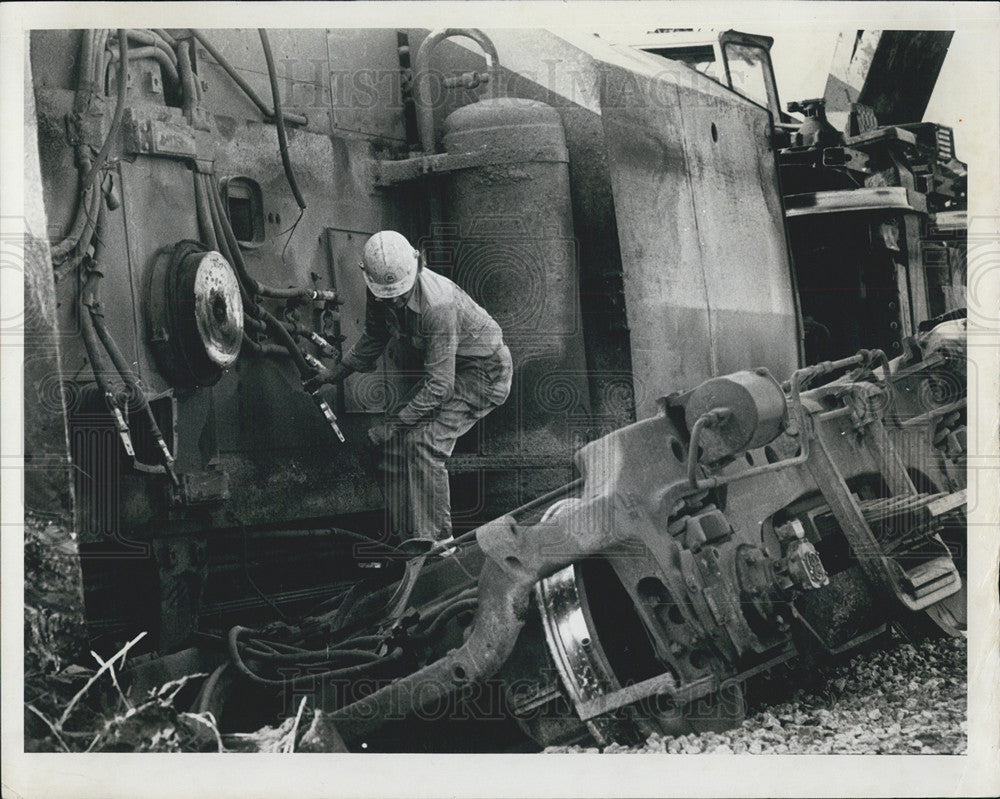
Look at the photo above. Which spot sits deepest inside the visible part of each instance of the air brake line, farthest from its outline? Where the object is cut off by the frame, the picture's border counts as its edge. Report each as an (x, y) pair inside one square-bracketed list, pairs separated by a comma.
[(279, 120), (93, 323)]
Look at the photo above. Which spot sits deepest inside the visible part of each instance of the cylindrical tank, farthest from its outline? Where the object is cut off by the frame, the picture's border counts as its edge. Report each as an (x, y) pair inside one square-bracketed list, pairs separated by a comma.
[(509, 241)]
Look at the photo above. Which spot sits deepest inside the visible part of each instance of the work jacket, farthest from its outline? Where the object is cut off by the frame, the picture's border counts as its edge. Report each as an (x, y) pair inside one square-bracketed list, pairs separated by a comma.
[(440, 320)]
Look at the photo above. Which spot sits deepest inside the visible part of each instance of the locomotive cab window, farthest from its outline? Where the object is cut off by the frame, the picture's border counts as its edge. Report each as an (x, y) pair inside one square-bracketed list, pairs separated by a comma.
[(750, 74), (700, 58), (245, 207)]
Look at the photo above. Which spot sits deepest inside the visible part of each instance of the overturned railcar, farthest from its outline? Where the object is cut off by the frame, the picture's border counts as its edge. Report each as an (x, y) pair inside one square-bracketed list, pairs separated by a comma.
[(693, 504)]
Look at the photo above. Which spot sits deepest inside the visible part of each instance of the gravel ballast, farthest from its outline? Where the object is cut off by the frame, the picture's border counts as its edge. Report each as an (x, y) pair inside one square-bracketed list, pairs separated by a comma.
[(908, 699)]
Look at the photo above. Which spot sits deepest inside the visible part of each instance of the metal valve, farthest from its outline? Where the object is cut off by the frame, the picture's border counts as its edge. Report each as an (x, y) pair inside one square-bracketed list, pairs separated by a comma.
[(467, 80)]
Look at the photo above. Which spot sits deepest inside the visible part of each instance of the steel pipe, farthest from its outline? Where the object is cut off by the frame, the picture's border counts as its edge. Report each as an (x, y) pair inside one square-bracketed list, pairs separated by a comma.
[(421, 83)]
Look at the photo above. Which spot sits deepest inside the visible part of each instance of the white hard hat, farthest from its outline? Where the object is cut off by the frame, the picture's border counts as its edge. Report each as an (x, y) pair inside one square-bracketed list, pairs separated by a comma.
[(390, 264)]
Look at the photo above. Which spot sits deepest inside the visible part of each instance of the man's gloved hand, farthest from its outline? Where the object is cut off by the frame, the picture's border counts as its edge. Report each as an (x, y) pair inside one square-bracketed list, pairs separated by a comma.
[(382, 432), (334, 375)]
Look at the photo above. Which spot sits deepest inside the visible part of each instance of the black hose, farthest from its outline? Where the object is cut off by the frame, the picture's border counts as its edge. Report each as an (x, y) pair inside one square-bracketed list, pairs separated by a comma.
[(116, 120), (187, 76), (255, 347), (255, 324), (165, 36), (124, 369), (283, 337), (229, 237), (296, 293), (219, 232), (358, 640), (154, 52), (229, 247), (326, 656), (296, 119), (85, 77), (279, 120), (448, 613), (92, 213), (264, 348), (269, 648), (347, 671), (85, 207), (203, 209), (95, 353), (153, 40), (225, 233), (85, 211), (136, 392), (205, 695)]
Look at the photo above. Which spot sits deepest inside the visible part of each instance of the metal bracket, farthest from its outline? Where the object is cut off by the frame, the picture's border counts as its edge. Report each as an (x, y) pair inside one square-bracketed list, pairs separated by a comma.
[(389, 173)]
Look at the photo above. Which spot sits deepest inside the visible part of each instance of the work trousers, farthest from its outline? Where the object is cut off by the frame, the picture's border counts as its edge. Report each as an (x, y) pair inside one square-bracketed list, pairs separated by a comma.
[(414, 477)]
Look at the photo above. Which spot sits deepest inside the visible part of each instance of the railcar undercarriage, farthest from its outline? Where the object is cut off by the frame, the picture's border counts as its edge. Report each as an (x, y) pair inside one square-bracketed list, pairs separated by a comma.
[(641, 597)]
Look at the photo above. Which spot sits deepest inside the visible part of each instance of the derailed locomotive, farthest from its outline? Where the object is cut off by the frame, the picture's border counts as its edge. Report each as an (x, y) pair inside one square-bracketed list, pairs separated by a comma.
[(622, 217)]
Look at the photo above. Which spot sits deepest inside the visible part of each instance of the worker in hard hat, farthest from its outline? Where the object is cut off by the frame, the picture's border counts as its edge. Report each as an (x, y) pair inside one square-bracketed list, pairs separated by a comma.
[(465, 373)]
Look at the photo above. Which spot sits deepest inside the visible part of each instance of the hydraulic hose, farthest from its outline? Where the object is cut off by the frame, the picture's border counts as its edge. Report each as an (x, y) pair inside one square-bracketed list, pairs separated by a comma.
[(131, 380), (434, 610), (218, 231), (88, 58), (86, 206), (279, 120), (254, 324), (153, 52), (188, 83), (346, 671), (253, 285), (165, 36), (208, 689), (91, 224), (449, 613), (295, 119), (203, 207), (100, 60), (152, 39), (86, 210), (499, 619), (265, 348), (136, 391), (326, 656), (229, 237), (116, 120), (99, 364), (283, 337), (296, 293)]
